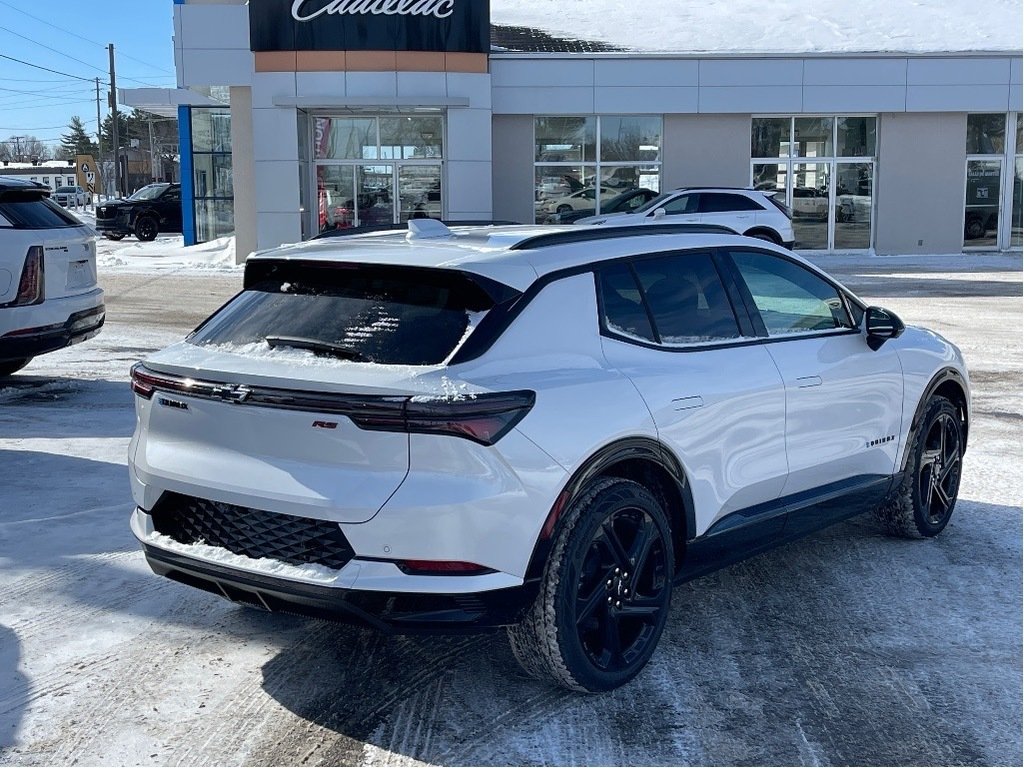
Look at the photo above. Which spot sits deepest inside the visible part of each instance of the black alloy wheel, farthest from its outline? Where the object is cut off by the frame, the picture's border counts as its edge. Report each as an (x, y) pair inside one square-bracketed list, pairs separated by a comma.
[(605, 592), (146, 229), (622, 590), (938, 474)]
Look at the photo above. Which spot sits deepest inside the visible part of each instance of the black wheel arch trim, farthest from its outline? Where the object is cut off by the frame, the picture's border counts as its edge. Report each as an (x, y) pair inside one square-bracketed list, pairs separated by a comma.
[(937, 381), (625, 449)]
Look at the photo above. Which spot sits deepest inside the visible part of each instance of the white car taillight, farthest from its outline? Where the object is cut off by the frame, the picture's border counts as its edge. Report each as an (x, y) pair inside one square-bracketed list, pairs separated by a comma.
[(31, 289)]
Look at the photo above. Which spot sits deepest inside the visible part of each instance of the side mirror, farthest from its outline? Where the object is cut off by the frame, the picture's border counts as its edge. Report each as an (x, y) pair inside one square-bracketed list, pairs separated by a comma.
[(659, 214), (882, 325)]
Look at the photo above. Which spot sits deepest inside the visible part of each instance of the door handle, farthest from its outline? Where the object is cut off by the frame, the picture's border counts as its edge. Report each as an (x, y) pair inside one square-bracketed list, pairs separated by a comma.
[(805, 382), (687, 403)]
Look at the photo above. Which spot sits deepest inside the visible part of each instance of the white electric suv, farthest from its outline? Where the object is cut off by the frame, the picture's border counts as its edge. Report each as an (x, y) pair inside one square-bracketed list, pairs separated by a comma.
[(542, 428), (49, 297), (750, 212)]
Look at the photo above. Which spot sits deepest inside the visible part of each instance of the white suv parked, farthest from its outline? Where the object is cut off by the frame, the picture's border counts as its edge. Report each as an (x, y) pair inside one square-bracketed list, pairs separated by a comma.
[(49, 297), (541, 428), (746, 211)]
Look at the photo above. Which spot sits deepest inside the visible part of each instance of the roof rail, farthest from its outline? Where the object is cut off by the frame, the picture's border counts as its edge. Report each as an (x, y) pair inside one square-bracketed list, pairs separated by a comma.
[(586, 234)]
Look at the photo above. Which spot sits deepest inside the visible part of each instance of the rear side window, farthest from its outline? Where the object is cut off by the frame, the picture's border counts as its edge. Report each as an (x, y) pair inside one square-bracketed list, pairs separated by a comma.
[(687, 299), (789, 298), (32, 211), (623, 305), (718, 202), (683, 294), (385, 315)]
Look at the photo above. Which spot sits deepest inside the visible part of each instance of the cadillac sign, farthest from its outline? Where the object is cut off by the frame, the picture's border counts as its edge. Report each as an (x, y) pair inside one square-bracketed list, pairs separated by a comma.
[(461, 26)]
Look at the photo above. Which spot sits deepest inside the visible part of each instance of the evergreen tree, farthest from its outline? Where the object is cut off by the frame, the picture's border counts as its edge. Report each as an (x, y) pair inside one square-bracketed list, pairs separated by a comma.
[(77, 141)]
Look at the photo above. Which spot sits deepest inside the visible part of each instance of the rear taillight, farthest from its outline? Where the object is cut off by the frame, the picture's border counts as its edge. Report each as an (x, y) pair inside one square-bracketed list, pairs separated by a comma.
[(483, 418), (31, 289), (786, 210)]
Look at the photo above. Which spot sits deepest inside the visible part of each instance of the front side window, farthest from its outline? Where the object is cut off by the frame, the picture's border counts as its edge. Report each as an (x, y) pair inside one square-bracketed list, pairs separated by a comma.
[(789, 298), (687, 299), (681, 204)]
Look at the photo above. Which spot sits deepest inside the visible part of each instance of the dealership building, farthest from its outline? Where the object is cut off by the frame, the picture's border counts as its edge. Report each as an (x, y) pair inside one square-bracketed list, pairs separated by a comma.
[(298, 116)]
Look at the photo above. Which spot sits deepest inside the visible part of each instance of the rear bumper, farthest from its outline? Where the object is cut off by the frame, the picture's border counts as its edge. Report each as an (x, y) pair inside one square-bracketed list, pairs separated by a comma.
[(390, 602), (30, 342), (388, 612)]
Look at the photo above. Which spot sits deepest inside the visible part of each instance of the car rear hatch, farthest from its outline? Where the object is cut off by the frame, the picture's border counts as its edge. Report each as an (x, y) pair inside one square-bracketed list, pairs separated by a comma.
[(50, 243), (295, 397)]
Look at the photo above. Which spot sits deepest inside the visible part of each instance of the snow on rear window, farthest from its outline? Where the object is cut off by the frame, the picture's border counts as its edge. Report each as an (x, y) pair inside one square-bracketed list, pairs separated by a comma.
[(355, 316)]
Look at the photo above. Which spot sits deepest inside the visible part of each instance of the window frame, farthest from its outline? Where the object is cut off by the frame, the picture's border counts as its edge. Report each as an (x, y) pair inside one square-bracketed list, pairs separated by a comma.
[(598, 164), (788, 162)]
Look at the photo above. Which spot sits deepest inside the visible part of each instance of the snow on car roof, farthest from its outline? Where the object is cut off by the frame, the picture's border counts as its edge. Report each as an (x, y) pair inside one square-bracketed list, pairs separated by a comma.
[(491, 251)]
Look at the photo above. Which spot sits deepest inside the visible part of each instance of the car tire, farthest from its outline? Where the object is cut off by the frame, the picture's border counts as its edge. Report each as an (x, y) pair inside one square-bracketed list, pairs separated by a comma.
[(563, 209), (146, 229), (111, 236), (921, 505), (974, 228), (7, 367), (594, 625)]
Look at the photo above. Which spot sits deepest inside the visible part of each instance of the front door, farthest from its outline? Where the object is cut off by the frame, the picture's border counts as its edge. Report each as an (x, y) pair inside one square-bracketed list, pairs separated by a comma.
[(843, 399)]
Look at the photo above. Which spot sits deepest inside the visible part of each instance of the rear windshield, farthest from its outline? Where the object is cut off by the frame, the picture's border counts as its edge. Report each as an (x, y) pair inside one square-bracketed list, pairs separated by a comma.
[(384, 315), (29, 210)]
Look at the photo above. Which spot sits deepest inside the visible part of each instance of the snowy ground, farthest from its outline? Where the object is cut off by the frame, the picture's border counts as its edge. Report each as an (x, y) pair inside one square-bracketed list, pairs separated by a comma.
[(844, 648)]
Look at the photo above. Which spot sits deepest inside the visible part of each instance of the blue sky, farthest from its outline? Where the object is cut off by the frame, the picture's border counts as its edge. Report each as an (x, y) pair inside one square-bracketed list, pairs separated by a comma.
[(40, 103)]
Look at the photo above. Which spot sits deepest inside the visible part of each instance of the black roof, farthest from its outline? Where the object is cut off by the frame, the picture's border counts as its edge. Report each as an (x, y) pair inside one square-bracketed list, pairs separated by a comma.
[(530, 40), (14, 184)]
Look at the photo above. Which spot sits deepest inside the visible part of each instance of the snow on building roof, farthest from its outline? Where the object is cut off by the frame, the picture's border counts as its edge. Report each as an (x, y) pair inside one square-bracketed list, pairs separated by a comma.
[(780, 26)]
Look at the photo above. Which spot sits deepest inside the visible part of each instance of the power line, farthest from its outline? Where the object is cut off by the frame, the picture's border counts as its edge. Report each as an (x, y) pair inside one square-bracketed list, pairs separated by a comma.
[(47, 47), (47, 69), (80, 37), (45, 106)]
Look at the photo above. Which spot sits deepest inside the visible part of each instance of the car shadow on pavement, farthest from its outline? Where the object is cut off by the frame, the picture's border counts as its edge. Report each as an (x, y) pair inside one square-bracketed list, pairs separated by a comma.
[(62, 407), (11, 678), (57, 507), (845, 647)]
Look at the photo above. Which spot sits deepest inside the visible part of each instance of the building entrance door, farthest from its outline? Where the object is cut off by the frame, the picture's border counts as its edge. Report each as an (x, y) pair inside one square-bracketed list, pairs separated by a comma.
[(380, 194)]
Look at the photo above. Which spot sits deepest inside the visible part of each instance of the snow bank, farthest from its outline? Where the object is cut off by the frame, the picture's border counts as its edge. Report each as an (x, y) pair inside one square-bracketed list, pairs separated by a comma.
[(784, 26)]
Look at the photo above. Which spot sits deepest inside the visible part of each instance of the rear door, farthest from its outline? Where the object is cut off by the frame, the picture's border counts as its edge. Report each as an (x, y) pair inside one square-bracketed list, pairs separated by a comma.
[(714, 392), (843, 399), (734, 211), (170, 210)]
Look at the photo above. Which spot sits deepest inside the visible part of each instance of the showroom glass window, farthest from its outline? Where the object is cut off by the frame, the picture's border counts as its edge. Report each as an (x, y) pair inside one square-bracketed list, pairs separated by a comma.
[(993, 181), (376, 170), (214, 186), (823, 167), (584, 164)]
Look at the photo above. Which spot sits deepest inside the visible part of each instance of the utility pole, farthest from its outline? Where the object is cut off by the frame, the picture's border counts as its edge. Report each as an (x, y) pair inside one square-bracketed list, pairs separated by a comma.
[(113, 111), (17, 146), (99, 120), (152, 152)]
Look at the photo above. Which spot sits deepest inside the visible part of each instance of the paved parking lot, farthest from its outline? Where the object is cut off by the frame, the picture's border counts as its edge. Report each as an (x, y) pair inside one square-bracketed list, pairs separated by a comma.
[(844, 648)]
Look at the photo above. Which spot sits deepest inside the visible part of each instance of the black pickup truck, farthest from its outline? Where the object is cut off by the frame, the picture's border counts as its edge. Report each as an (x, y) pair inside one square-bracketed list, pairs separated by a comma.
[(154, 209)]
